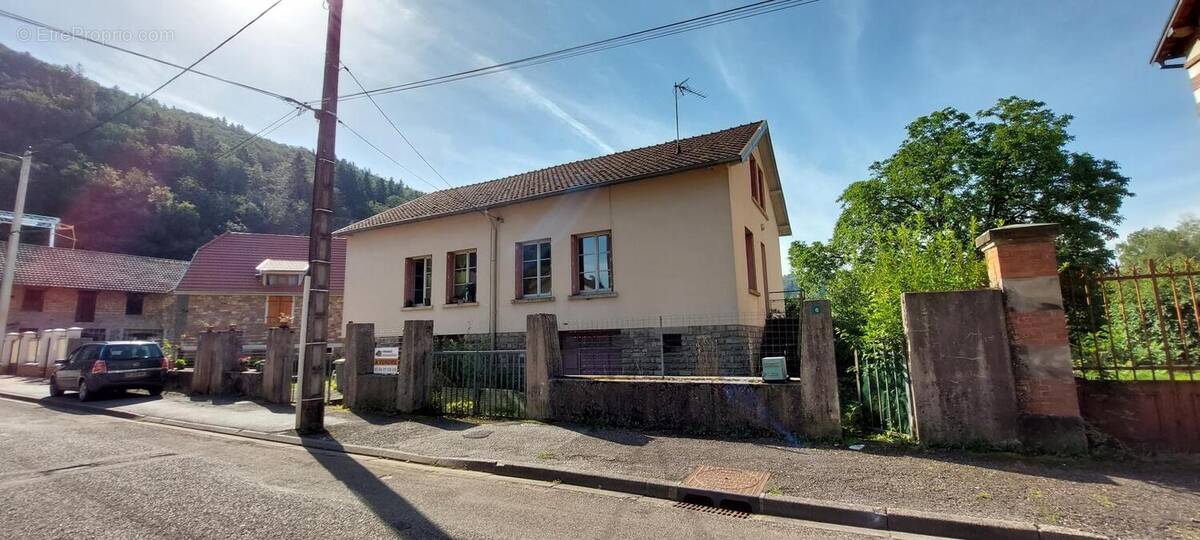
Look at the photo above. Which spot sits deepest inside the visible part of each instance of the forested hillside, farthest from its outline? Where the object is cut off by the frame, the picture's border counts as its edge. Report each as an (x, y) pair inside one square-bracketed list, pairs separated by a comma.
[(158, 181)]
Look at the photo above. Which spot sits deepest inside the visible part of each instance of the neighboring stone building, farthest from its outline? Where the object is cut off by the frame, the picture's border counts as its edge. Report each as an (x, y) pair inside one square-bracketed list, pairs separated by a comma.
[(670, 250), (1181, 40), (108, 295), (253, 281)]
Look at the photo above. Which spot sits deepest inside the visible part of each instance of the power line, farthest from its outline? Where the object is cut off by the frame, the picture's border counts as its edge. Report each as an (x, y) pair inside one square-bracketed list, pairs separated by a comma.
[(82, 37), (394, 127), (383, 153), (695, 23), (163, 85), (266, 130)]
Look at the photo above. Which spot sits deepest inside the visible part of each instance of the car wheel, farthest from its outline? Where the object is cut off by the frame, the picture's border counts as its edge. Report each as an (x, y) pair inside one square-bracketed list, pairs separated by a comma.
[(155, 391), (85, 394), (55, 389)]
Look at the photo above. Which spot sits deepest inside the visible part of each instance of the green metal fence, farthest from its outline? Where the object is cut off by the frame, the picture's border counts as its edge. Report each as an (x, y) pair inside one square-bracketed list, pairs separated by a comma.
[(478, 383), (884, 391)]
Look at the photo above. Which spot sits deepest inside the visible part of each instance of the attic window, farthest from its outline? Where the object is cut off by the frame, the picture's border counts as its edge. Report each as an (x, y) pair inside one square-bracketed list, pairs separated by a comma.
[(281, 280), (281, 273)]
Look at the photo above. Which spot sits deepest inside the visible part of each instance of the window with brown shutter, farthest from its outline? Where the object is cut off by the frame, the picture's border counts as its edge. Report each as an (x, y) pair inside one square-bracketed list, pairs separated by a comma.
[(766, 282), (460, 278), (279, 309), (418, 281), (751, 271), (533, 269), (592, 263), (85, 306)]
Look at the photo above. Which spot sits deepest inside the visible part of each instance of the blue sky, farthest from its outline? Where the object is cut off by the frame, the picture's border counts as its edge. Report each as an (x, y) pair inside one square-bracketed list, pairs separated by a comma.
[(837, 80)]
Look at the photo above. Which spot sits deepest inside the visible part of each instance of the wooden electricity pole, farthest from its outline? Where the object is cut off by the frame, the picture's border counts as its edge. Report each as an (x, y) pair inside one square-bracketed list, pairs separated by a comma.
[(310, 405)]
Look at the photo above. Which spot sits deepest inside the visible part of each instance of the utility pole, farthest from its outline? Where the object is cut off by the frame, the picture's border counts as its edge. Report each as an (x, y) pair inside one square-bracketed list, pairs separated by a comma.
[(310, 405), (14, 239)]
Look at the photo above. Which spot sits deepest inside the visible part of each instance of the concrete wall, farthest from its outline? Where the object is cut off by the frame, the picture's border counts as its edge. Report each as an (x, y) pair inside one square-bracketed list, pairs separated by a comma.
[(960, 367), (1162, 416), (719, 406), (58, 311), (248, 312), (672, 254)]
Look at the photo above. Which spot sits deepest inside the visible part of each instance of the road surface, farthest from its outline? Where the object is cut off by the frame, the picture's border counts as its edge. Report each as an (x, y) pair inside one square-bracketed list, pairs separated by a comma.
[(78, 475)]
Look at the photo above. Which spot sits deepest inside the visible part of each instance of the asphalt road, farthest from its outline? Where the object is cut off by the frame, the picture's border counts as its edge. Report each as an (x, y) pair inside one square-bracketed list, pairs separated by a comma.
[(71, 474)]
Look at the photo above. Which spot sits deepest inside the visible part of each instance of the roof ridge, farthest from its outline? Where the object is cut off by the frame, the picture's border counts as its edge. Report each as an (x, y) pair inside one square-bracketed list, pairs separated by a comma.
[(581, 160), (73, 250)]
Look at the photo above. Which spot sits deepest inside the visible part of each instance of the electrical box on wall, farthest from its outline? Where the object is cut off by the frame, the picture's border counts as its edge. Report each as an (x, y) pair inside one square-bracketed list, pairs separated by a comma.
[(774, 369)]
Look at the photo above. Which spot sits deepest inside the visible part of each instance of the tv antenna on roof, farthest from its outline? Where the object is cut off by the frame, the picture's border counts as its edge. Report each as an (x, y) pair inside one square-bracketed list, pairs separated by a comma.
[(681, 89)]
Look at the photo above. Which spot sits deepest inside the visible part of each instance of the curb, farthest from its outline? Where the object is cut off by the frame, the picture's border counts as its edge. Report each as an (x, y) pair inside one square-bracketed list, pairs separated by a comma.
[(867, 517)]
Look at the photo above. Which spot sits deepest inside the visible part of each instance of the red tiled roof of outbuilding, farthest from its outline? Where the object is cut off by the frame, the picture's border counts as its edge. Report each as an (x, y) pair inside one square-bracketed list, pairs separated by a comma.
[(226, 264), (45, 266)]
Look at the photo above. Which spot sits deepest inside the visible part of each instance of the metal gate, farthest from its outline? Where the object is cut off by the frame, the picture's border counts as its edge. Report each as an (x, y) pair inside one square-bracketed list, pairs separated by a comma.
[(884, 392), (478, 383)]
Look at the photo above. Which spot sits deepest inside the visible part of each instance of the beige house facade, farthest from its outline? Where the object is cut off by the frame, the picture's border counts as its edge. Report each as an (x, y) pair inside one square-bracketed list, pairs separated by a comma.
[(686, 239)]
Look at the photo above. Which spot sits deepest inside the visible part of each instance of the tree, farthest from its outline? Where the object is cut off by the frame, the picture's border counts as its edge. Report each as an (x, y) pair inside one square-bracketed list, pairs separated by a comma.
[(1161, 244), (1007, 164)]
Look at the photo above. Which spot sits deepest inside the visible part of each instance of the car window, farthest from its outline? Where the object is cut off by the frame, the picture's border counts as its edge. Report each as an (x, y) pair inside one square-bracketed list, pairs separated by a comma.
[(83, 353), (132, 352)]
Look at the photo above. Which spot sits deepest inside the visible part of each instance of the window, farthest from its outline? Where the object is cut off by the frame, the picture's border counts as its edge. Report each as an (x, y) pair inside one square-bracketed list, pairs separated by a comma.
[(418, 279), (757, 183), (751, 271), (279, 308), (34, 300), (134, 303), (94, 334), (593, 263), (533, 269), (672, 343), (766, 284), (85, 306), (281, 280), (461, 277)]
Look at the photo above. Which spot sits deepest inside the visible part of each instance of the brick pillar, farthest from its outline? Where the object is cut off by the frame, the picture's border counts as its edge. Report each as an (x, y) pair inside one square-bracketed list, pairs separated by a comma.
[(413, 368), (277, 370), (1022, 262), (543, 361), (360, 360), (821, 416)]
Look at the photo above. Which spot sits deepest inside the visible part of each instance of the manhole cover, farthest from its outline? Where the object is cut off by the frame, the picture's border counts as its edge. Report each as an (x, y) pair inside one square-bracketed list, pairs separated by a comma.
[(477, 433), (731, 480)]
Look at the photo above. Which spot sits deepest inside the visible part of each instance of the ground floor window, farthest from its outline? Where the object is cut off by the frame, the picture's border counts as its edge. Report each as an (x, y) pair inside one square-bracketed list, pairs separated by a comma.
[(418, 274), (534, 269), (95, 334), (33, 300), (462, 277), (134, 303)]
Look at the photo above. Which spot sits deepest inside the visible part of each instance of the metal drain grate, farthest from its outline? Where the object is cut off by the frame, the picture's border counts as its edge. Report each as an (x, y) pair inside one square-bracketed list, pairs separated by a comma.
[(712, 510)]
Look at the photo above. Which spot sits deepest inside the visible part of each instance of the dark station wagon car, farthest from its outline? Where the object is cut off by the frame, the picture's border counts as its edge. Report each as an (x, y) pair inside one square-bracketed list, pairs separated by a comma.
[(95, 367)]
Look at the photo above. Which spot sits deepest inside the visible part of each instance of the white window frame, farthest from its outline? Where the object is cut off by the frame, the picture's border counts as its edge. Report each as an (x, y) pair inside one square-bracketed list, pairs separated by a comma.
[(538, 274)]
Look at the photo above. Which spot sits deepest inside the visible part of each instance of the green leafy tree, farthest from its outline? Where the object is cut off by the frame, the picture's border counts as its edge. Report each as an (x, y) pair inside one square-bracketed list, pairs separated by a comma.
[(1006, 164), (1170, 246)]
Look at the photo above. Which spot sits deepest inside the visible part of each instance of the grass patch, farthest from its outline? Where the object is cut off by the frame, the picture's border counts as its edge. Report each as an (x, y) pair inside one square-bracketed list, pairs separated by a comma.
[(546, 455), (1103, 500), (775, 491), (983, 496)]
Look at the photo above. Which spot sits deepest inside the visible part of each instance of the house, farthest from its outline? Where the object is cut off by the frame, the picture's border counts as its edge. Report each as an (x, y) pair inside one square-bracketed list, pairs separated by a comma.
[(253, 282), (681, 235), (1181, 40), (108, 295)]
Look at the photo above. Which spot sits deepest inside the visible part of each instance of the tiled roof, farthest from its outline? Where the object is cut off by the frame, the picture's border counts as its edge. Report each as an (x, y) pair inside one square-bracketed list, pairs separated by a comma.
[(227, 263), (701, 151), (45, 266)]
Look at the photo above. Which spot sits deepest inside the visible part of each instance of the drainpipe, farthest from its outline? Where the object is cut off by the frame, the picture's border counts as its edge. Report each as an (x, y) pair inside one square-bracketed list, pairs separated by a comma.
[(492, 314)]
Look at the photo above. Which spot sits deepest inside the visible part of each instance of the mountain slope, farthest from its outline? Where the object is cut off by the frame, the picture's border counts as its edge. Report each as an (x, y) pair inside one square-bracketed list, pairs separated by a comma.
[(156, 181)]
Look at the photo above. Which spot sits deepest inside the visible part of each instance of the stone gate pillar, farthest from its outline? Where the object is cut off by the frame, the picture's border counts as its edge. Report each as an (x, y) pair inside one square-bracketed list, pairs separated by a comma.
[(543, 361), (1022, 262), (277, 370), (360, 360), (821, 415), (413, 366)]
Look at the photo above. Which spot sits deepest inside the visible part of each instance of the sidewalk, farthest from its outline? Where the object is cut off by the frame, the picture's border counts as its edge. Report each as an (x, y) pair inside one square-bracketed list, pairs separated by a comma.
[(1127, 499)]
